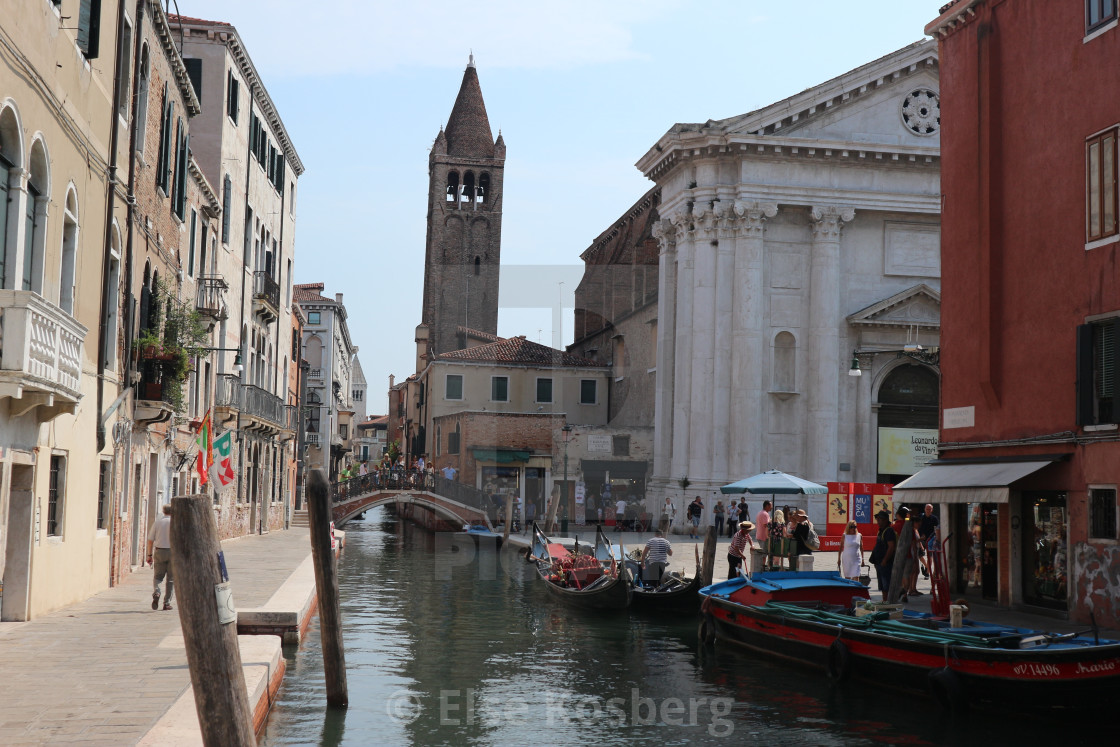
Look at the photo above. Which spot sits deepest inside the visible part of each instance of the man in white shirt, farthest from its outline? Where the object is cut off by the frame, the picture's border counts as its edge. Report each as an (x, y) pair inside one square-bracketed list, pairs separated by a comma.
[(619, 514), (159, 556)]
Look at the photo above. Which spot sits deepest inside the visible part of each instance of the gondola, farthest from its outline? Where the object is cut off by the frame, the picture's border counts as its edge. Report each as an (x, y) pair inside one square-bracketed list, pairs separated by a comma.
[(819, 619), (589, 577), (674, 593)]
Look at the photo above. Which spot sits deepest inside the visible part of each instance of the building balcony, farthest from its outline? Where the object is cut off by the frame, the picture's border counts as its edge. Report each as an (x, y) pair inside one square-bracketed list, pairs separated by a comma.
[(266, 296), (210, 300), (40, 356), (259, 410), (154, 402), (315, 376)]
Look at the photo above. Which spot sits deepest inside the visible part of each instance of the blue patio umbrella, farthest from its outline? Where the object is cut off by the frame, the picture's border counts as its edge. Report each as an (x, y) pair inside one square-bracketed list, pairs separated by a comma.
[(774, 482)]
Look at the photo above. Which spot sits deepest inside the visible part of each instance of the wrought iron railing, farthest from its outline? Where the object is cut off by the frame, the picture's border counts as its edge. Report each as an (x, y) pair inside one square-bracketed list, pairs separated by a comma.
[(266, 289), (394, 479), (210, 291), (254, 401)]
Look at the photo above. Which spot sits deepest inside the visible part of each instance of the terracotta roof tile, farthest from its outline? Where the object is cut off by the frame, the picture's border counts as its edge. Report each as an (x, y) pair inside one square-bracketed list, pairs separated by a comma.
[(477, 334), (519, 351), (310, 292)]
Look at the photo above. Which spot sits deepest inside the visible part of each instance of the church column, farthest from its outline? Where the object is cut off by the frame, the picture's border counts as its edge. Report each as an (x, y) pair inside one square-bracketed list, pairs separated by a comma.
[(682, 346), (823, 359), (703, 347), (666, 237), (749, 343), (721, 379)]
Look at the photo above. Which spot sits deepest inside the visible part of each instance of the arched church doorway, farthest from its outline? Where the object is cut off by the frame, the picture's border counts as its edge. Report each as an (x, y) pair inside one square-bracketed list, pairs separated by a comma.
[(908, 405)]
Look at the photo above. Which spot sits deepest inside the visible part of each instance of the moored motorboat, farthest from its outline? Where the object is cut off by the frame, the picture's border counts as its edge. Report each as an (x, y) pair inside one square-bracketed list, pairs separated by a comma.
[(812, 618), (590, 577), (480, 535)]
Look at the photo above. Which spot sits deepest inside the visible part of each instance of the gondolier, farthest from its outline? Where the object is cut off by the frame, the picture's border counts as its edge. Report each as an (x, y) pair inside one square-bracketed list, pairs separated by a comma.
[(738, 551), (655, 557)]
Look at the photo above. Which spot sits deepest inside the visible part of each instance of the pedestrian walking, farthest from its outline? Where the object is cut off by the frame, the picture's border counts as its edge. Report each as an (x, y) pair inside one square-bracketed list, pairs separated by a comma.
[(159, 557)]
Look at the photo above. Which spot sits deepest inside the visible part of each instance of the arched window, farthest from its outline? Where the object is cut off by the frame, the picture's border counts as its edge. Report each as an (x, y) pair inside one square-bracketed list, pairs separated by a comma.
[(468, 187), (452, 186), (35, 218), (69, 252), (11, 159), (785, 363), (314, 351), (483, 187)]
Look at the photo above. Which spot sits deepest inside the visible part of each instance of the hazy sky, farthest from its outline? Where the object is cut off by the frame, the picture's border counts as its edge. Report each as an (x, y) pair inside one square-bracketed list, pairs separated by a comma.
[(580, 91)]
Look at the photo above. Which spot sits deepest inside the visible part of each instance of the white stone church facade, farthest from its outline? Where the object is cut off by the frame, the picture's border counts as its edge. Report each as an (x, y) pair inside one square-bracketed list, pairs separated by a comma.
[(793, 240)]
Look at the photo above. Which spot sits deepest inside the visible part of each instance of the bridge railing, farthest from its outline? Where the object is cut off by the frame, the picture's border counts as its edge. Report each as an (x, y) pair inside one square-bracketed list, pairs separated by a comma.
[(468, 495)]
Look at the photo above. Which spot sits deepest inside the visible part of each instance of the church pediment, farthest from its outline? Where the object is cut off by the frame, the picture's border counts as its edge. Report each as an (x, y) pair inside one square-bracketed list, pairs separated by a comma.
[(890, 101), (919, 306)]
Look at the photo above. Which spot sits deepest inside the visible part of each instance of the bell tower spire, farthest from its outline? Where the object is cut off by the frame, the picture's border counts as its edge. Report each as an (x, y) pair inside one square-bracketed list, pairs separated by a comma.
[(463, 249)]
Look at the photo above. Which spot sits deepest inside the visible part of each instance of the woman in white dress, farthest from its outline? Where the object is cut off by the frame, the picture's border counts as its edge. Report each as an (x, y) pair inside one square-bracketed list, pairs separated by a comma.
[(851, 555)]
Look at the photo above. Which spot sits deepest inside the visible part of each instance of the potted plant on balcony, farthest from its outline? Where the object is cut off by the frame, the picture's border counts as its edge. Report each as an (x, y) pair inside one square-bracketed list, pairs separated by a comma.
[(175, 335)]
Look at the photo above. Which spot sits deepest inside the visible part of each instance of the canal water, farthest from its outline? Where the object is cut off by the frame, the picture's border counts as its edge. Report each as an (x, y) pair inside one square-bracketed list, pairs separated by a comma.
[(448, 647)]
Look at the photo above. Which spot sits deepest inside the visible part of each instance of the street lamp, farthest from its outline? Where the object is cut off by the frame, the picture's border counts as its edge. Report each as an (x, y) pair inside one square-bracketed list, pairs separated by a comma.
[(566, 431), (237, 367)]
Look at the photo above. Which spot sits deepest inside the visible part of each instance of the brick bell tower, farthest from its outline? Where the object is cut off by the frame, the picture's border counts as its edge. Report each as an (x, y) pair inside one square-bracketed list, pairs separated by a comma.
[(463, 249)]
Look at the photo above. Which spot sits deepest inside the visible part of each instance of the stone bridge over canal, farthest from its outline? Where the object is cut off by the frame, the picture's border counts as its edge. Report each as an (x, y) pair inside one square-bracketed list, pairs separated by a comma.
[(448, 501)]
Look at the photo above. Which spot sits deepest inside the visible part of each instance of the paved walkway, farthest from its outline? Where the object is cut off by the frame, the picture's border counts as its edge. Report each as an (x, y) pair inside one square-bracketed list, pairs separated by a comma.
[(103, 671)]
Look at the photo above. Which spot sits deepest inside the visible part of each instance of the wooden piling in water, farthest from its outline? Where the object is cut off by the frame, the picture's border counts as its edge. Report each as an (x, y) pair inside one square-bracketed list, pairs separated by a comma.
[(214, 659), (326, 585), (707, 568), (509, 518)]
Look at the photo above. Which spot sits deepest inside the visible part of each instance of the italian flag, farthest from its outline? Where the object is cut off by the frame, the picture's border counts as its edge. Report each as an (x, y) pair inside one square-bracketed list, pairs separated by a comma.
[(205, 441)]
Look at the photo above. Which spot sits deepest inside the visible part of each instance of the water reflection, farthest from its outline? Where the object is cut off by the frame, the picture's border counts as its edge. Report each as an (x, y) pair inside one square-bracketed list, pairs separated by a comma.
[(437, 655)]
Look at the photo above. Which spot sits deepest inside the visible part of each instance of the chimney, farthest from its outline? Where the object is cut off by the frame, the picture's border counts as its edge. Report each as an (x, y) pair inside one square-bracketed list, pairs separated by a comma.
[(338, 297)]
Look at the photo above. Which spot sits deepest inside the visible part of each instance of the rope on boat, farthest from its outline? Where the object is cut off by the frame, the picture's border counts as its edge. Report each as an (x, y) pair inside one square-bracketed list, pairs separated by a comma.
[(877, 624)]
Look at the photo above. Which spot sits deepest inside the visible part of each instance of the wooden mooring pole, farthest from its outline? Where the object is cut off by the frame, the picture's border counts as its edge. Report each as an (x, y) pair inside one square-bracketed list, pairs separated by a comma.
[(707, 568), (509, 518), (220, 698), (326, 585)]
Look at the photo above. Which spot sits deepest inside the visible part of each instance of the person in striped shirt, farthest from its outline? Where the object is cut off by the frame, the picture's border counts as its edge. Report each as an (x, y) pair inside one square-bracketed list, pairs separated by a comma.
[(655, 557), (737, 554)]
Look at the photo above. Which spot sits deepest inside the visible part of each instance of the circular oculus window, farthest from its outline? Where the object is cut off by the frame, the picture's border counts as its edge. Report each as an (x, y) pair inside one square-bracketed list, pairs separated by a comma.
[(921, 112)]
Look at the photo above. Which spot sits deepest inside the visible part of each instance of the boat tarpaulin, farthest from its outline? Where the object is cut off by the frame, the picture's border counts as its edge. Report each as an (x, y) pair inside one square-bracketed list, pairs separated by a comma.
[(983, 482)]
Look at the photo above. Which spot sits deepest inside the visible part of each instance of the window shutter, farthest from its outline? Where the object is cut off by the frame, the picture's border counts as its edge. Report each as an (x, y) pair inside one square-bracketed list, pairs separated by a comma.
[(89, 27), (1085, 392), (227, 198)]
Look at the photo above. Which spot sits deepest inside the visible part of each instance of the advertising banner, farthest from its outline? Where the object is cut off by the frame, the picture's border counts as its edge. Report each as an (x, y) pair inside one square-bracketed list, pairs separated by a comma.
[(858, 501), (904, 451)]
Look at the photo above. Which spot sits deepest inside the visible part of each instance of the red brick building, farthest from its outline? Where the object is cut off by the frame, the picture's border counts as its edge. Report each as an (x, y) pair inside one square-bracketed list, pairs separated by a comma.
[(1030, 313)]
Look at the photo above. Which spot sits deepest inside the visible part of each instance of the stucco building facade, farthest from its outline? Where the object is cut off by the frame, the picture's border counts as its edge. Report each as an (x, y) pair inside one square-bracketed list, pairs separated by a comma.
[(794, 239), (1029, 447)]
